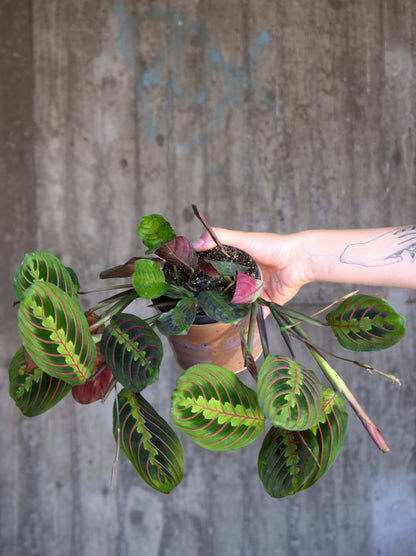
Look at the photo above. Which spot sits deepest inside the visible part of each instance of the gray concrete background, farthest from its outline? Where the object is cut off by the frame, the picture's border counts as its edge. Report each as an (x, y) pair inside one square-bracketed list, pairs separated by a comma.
[(271, 116)]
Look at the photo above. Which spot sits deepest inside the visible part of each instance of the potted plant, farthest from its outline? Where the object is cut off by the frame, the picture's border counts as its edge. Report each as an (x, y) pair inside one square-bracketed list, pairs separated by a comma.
[(106, 348)]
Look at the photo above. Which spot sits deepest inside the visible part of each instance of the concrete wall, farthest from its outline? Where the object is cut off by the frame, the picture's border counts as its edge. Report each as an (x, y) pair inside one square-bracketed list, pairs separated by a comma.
[(271, 116)]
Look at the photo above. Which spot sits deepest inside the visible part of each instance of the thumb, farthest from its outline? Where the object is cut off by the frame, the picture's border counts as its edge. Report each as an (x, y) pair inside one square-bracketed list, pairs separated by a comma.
[(228, 237)]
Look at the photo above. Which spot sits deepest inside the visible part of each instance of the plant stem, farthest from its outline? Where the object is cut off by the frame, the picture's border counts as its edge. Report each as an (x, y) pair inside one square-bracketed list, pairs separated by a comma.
[(251, 326), (116, 287), (262, 330), (208, 228), (116, 308), (340, 385)]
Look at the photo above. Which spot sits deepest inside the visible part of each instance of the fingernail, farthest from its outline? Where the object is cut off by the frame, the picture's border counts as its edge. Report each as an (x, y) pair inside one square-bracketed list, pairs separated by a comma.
[(198, 243)]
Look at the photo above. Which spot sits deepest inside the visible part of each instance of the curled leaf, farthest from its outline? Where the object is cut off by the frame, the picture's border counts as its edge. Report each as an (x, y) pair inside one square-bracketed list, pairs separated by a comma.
[(287, 461), (247, 289), (132, 350), (40, 265), (33, 390), (179, 252), (148, 442)]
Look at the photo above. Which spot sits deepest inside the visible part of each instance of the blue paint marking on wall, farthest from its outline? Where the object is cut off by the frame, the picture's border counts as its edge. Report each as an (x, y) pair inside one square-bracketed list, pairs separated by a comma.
[(172, 55)]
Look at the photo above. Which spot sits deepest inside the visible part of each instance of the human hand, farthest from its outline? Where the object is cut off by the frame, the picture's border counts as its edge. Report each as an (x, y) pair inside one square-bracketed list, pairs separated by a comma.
[(280, 258)]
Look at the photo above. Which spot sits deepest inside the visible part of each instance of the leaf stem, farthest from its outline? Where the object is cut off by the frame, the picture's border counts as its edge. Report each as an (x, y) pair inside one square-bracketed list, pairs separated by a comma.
[(208, 228), (340, 385), (251, 326)]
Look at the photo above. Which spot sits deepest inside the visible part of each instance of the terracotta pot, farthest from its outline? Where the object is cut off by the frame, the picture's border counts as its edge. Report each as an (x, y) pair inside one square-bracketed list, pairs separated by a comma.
[(208, 341), (216, 343)]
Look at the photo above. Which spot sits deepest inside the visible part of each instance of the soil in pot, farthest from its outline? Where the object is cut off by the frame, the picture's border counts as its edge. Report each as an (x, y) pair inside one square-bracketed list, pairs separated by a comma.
[(209, 341)]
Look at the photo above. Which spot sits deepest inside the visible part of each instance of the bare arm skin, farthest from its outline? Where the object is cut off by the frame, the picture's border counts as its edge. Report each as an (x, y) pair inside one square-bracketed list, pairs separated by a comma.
[(375, 257)]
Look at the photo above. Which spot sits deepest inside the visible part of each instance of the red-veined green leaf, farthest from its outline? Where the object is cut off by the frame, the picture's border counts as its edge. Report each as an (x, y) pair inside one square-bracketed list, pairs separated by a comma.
[(55, 333), (178, 320), (213, 407), (148, 442), (132, 350), (155, 231), (33, 390), (289, 394), (41, 265), (287, 460), (247, 289), (218, 307), (366, 323), (148, 279), (329, 432), (179, 252)]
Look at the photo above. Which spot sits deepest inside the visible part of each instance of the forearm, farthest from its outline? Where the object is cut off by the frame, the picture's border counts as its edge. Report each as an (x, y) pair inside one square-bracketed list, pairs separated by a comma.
[(377, 257)]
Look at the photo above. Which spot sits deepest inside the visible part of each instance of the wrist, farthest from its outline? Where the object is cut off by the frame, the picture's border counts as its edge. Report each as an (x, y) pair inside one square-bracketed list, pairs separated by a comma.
[(318, 258)]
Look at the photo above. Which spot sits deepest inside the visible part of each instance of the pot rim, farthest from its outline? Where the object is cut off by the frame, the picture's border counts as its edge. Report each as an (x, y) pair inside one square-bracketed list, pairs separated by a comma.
[(201, 320)]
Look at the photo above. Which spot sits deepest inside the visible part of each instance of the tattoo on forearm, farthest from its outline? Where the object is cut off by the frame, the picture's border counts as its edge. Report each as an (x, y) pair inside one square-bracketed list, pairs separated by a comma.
[(393, 247)]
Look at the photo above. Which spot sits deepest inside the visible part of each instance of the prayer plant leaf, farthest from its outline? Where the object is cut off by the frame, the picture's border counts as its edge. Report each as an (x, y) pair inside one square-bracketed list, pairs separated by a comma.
[(148, 442), (212, 406), (178, 320), (120, 271), (288, 394), (247, 289), (179, 252), (41, 265), (132, 350), (366, 323), (33, 390), (218, 307), (155, 231), (148, 279), (287, 461), (55, 333), (226, 268), (329, 432)]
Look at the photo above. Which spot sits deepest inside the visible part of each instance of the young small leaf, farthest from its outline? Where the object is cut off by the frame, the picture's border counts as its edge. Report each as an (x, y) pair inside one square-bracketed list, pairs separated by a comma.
[(41, 265), (33, 390), (226, 268), (289, 394), (179, 252), (148, 279), (217, 306), (287, 461), (366, 323), (213, 407), (247, 289), (132, 350), (148, 442), (155, 231), (178, 320), (55, 333)]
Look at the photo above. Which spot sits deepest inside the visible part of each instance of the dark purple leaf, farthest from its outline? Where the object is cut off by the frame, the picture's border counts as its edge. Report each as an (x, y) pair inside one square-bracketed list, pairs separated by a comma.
[(179, 252)]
